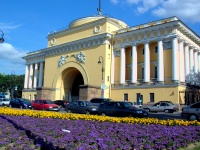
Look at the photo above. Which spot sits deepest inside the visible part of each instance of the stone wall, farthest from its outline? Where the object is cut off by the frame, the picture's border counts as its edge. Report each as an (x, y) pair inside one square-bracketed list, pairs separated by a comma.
[(43, 93), (87, 92)]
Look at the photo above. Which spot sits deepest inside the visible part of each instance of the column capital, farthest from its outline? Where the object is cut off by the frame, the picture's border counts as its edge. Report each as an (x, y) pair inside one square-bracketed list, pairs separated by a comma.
[(181, 40), (191, 47), (133, 43), (122, 45)]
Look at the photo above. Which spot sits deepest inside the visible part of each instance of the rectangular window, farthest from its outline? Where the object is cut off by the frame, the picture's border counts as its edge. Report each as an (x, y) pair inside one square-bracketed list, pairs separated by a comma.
[(126, 97), (142, 73), (151, 97), (139, 97), (143, 51), (156, 49), (155, 71)]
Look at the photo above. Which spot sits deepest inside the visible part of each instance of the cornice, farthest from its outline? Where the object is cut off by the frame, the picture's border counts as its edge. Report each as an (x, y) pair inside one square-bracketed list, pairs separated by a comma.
[(73, 46), (77, 28)]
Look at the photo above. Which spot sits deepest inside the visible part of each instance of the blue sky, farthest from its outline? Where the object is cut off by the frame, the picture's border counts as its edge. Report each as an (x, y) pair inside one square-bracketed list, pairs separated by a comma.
[(26, 23)]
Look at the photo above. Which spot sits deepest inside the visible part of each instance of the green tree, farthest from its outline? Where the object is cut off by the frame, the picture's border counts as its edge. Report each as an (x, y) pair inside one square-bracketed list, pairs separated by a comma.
[(13, 83)]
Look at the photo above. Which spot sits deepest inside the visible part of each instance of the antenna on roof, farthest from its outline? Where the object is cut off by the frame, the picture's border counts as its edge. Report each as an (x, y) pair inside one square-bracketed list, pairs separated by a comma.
[(99, 9)]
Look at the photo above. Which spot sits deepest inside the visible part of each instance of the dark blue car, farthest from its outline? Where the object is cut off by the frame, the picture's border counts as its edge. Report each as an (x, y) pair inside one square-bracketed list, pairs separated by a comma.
[(122, 109), (20, 103)]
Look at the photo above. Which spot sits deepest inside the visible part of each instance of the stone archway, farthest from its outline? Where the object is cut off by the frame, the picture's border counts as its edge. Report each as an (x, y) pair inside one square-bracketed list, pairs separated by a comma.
[(72, 79)]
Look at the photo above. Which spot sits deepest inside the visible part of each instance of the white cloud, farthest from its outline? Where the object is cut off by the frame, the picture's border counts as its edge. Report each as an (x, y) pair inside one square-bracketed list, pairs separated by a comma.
[(8, 26), (147, 5), (132, 1), (114, 1), (11, 59), (187, 10)]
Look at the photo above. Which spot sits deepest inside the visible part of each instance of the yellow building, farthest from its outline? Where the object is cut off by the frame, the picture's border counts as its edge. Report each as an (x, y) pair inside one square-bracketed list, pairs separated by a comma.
[(101, 56)]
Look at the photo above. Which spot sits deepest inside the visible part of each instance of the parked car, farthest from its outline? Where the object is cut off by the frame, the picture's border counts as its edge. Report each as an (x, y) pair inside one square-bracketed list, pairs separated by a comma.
[(60, 103), (43, 104), (20, 103), (167, 102), (191, 112), (84, 107), (4, 102), (161, 107), (135, 104), (121, 109), (98, 101)]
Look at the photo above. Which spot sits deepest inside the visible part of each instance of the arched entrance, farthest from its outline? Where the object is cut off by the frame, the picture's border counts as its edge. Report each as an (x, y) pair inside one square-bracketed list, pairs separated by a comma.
[(72, 79), (75, 87)]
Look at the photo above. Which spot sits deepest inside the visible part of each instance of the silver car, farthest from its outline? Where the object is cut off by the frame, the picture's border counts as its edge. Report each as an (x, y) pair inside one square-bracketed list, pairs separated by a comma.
[(161, 107), (191, 112), (4, 102)]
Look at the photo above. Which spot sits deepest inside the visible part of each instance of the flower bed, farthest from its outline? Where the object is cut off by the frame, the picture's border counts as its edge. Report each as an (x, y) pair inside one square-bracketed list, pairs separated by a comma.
[(24, 132), (69, 116)]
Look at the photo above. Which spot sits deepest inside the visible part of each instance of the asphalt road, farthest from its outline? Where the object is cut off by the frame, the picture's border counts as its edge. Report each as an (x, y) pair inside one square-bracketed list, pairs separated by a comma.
[(159, 115), (165, 116)]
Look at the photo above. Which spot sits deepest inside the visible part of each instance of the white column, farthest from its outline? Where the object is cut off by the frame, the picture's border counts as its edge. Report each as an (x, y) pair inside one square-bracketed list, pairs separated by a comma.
[(31, 76), (26, 77), (146, 63), (195, 61), (122, 66), (113, 69), (191, 60), (41, 74), (35, 76), (182, 63), (198, 61), (160, 72), (187, 58), (175, 71), (134, 65)]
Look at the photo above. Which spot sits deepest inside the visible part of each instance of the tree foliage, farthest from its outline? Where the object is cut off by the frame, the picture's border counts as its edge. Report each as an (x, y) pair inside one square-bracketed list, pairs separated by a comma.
[(13, 83)]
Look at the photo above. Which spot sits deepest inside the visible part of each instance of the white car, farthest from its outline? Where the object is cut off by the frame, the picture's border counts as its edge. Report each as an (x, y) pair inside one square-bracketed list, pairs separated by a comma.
[(4, 102), (135, 105), (161, 107)]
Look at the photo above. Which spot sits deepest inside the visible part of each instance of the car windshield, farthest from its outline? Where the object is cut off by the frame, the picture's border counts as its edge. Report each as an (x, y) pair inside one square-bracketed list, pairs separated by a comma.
[(48, 102), (124, 104), (127, 105), (24, 100)]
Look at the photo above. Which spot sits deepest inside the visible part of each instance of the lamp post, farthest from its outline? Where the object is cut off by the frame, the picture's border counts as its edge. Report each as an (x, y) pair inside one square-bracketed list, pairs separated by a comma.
[(12, 84), (1, 38), (102, 81)]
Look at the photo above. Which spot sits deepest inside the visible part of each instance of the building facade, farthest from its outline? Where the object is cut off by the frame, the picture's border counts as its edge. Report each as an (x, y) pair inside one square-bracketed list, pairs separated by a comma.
[(101, 56)]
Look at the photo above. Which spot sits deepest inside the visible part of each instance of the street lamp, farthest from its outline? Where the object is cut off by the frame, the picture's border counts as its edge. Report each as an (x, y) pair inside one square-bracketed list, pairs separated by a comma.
[(12, 84), (102, 81), (1, 38), (101, 62)]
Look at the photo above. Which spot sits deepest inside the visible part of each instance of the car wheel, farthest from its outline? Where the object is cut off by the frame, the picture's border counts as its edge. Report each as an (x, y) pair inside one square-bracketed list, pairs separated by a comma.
[(130, 115), (166, 111), (3, 104), (147, 109), (69, 111), (103, 114), (87, 112), (192, 117), (44, 109)]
